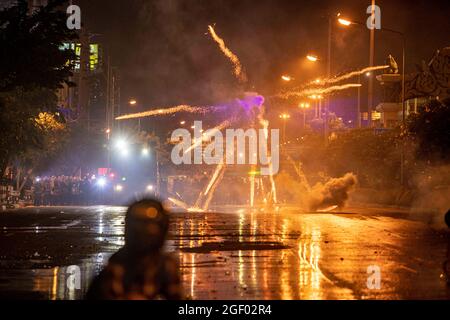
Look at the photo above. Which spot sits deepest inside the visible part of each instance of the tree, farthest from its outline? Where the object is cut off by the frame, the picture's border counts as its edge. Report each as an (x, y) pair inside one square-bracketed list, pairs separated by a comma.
[(430, 130), (31, 52), (32, 66), (373, 156)]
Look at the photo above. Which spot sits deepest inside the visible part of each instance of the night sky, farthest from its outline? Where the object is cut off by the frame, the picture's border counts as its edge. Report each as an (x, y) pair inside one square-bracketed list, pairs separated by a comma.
[(166, 58)]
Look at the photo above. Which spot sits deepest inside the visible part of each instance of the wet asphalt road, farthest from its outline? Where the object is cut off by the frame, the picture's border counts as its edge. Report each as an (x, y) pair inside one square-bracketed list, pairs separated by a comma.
[(287, 254)]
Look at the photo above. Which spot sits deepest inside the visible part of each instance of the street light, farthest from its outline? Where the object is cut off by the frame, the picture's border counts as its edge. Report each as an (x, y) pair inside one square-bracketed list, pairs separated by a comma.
[(145, 152), (134, 103), (312, 57), (286, 78), (101, 182), (304, 106), (284, 117), (318, 98), (121, 143), (344, 22)]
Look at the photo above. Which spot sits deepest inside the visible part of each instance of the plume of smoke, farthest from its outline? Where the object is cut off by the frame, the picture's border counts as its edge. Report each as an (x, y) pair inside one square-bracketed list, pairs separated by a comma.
[(333, 193), (431, 195), (238, 71), (292, 190)]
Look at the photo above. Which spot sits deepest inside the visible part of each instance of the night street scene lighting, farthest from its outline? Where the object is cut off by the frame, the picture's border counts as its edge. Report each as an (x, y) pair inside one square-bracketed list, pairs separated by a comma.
[(251, 152)]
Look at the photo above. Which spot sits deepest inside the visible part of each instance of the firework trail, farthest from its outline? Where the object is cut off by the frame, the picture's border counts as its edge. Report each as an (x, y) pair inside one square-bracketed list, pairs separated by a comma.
[(300, 173), (215, 182), (166, 111), (238, 71), (318, 91), (350, 75), (208, 134), (219, 168), (252, 189)]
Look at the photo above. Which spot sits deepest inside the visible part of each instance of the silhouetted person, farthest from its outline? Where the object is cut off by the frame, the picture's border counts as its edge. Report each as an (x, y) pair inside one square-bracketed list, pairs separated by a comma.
[(446, 264), (447, 218), (140, 270)]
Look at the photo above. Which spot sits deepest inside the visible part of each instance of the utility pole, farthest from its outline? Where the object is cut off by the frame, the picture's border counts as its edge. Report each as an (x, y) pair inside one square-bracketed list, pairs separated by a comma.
[(371, 63), (358, 121), (327, 104)]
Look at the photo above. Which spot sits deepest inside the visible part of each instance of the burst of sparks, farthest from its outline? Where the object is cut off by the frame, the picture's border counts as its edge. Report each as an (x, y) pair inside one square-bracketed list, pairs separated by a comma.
[(213, 188)]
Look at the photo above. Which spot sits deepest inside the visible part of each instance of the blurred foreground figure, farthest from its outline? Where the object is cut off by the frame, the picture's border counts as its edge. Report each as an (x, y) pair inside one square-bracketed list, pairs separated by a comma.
[(140, 270), (446, 265), (447, 218)]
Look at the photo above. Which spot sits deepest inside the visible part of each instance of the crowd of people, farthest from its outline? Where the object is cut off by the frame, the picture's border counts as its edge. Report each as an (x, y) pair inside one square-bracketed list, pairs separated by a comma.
[(63, 190)]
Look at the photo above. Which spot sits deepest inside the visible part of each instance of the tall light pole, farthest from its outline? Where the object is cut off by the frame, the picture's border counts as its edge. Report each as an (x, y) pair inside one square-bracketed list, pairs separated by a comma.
[(284, 117), (358, 121), (133, 103), (371, 62), (304, 106), (327, 103)]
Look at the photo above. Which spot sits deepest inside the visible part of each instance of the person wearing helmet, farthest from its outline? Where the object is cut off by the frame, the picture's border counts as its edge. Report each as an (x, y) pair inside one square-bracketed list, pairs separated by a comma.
[(140, 270)]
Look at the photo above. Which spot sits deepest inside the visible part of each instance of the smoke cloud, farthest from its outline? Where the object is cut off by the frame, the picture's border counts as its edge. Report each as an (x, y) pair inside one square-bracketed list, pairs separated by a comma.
[(333, 193), (321, 197)]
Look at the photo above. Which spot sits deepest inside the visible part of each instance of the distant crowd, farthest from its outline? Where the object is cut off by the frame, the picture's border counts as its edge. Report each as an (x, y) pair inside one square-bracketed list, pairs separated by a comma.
[(63, 190)]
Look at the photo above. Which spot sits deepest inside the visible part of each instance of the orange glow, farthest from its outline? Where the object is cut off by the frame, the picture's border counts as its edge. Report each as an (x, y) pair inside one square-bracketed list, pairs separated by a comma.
[(286, 78)]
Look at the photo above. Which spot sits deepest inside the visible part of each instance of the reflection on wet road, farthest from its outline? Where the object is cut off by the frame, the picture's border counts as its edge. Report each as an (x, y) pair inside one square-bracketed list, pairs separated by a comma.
[(244, 255)]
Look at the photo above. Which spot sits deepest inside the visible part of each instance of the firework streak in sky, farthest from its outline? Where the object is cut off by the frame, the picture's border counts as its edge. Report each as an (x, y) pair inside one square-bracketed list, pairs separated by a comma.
[(318, 91), (351, 74), (238, 71), (166, 111)]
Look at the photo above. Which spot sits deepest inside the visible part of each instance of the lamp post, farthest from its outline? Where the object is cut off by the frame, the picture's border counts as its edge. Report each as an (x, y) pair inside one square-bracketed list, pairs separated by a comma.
[(134, 103), (402, 35), (346, 22), (314, 58), (304, 106), (284, 117)]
